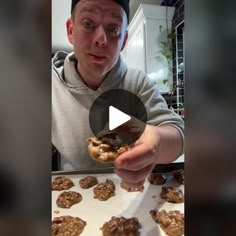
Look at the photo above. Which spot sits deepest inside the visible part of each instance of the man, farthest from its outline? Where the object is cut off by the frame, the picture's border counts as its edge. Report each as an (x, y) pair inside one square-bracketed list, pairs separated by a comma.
[(97, 30)]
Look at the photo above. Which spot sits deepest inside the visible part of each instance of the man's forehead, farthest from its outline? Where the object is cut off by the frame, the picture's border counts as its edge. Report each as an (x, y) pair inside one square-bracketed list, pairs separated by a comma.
[(93, 6)]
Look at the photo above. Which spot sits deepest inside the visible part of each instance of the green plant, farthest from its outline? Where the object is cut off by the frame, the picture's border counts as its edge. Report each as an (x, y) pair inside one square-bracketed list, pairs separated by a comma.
[(167, 44), (167, 52), (180, 105), (180, 108)]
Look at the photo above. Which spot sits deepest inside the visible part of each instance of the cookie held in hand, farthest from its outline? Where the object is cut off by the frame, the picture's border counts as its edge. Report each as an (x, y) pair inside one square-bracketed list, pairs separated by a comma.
[(106, 149)]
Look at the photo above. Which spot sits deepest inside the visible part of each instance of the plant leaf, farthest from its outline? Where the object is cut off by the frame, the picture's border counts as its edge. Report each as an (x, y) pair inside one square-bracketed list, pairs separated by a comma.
[(168, 56), (165, 44), (165, 81), (162, 52), (160, 28), (171, 36)]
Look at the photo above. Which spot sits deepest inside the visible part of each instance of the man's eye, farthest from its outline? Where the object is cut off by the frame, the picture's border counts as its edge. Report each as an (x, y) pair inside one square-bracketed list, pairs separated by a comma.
[(113, 30), (88, 24)]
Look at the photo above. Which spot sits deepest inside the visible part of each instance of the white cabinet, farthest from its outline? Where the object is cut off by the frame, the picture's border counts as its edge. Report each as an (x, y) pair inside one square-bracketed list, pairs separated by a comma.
[(144, 41), (135, 48)]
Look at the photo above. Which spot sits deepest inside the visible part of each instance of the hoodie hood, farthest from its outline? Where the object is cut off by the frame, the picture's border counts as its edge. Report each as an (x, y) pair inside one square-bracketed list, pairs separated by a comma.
[(64, 65)]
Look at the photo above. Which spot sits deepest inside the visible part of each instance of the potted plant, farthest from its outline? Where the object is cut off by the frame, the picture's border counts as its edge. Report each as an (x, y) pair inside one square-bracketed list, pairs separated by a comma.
[(167, 52)]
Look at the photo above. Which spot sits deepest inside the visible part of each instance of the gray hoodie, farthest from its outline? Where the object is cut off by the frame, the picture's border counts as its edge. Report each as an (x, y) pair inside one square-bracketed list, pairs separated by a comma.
[(72, 99)]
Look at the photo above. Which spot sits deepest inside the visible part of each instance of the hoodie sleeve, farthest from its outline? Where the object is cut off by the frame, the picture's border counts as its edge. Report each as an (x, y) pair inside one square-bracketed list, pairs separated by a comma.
[(158, 113)]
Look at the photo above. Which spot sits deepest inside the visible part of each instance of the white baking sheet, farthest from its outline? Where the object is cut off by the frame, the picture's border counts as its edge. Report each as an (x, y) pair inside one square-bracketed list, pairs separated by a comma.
[(126, 204)]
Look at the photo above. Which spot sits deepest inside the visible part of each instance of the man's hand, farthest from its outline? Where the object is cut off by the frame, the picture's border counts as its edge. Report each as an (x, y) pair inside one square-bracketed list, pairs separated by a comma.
[(156, 145)]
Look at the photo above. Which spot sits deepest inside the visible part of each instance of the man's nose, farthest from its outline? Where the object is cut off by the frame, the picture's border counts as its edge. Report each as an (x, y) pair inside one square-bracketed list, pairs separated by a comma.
[(100, 38)]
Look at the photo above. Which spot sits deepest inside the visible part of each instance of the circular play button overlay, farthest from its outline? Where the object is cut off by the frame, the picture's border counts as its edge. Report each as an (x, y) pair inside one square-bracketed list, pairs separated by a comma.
[(119, 112)]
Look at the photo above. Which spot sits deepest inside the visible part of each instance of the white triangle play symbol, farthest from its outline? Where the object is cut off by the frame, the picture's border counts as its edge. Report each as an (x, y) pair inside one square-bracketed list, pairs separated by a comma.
[(116, 118)]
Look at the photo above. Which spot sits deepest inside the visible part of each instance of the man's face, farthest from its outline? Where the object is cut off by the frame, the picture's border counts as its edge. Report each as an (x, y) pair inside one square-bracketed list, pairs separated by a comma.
[(98, 34)]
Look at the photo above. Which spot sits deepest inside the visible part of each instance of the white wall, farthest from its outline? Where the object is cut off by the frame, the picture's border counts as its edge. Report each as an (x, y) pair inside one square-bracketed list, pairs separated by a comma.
[(60, 13)]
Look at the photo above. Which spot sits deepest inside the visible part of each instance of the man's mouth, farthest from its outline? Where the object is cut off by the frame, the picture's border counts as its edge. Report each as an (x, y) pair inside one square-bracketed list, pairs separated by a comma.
[(97, 57)]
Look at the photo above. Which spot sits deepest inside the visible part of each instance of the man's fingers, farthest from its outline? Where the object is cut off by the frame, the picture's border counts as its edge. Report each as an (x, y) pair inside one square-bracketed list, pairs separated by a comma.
[(134, 177), (136, 158)]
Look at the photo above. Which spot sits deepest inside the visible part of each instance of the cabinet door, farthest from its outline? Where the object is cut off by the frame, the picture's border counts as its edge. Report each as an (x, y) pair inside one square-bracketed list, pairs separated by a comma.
[(135, 49)]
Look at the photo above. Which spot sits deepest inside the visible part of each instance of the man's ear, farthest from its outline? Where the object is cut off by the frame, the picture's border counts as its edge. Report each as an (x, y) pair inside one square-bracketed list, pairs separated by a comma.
[(69, 28), (125, 39)]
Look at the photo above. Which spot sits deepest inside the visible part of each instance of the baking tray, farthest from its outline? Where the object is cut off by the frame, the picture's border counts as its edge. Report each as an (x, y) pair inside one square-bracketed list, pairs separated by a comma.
[(126, 204), (159, 168)]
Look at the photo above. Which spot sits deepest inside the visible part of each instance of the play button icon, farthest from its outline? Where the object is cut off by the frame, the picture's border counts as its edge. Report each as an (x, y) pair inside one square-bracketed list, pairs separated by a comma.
[(116, 118), (118, 111)]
